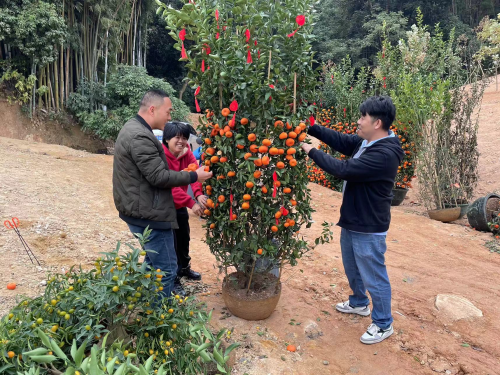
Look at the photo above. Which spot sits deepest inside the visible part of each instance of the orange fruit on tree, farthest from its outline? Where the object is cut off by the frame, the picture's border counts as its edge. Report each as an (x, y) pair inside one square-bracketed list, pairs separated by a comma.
[(293, 163), (234, 217), (289, 157), (287, 190), (273, 151), (264, 190), (245, 206), (231, 123), (290, 142), (286, 225), (291, 151), (208, 141), (265, 160), (254, 148), (283, 135), (293, 202), (291, 348), (207, 169), (258, 162), (280, 165), (292, 135), (248, 155), (267, 142), (221, 199), (207, 212), (260, 251), (212, 226), (221, 132), (227, 129), (244, 121), (278, 214), (288, 126), (257, 174), (210, 151), (292, 223), (274, 228), (278, 124), (249, 184), (240, 146), (225, 112), (281, 151), (214, 159), (223, 159), (210, 203), (11, 354), (247, 197), (277, 183), (302, 126), (252, 137), (229, 134), (302, 137), (231, 174), (263, 149), (298, 130), (216, 127)]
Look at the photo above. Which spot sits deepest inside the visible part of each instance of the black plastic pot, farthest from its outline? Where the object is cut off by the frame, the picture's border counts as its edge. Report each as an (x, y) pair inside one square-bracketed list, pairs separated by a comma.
[(481, 212), (398, 196)]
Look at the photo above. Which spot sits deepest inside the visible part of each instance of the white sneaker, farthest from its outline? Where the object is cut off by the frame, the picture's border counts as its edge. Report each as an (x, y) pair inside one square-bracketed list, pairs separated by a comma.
[(374, 334), (346, 308)]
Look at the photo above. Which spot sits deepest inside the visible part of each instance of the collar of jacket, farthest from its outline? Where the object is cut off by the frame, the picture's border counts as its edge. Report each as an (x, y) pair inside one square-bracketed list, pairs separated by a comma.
[(143, 122)]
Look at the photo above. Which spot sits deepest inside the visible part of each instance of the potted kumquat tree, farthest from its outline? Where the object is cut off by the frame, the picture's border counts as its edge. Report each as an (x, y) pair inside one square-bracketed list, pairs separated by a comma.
[(251, 65)]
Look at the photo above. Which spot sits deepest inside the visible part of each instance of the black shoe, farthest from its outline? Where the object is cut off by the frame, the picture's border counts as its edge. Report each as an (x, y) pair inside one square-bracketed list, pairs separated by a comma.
[(190, 274), (178, 288)]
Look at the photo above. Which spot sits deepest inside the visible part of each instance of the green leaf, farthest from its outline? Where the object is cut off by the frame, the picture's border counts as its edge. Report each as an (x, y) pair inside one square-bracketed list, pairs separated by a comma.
[(43, 358)]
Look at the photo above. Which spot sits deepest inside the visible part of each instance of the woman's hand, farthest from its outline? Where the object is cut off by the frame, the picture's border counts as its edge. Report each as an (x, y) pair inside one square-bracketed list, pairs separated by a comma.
[(198, 211), (202, 200)]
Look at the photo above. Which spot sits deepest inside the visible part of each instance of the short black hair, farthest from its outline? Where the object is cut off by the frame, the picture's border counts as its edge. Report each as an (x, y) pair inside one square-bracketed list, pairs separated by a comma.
[(153, 97), (380, 108), (174, 129)]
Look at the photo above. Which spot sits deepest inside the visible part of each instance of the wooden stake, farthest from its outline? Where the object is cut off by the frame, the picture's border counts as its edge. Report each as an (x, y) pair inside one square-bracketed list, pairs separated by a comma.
[(295, 93), (220, 96), (251, 275), (269, 68)]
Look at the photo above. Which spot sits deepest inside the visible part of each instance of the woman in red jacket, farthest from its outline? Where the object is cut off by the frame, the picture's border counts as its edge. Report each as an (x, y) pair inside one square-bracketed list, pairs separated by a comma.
[(179, 157)]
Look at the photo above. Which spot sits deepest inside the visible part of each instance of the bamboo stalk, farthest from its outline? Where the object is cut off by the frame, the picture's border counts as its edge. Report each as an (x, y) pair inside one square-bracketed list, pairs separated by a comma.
[(251, 275), (295, 93), (269, 68)]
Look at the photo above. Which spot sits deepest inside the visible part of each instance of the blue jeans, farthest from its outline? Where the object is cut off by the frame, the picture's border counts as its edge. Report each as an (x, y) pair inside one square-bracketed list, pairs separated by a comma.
[(364, 264), (162, 242)]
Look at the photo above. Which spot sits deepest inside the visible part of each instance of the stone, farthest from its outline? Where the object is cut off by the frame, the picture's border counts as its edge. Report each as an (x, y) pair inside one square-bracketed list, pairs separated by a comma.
[(440, 366), (312, 330), (326, 363), (43, 283), (456, 307)]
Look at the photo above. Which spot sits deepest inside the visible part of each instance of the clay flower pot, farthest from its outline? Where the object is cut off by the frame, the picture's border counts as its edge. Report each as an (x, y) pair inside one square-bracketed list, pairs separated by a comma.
[(445, 215), (257, 304)]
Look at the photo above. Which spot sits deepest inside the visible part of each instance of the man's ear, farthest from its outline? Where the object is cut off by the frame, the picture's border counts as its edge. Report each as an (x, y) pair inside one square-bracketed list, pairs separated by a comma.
[(378, 124)]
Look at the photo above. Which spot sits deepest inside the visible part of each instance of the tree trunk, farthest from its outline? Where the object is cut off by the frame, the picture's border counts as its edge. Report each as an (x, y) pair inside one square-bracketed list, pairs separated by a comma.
[(56, 84), (181, 93)]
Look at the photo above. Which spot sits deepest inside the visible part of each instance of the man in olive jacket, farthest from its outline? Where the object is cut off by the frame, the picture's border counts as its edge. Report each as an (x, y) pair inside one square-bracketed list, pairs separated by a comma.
[(142, 183)]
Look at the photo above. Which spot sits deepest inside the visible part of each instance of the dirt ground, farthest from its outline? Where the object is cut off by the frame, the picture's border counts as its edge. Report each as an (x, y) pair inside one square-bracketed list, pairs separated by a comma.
[(63, 198)]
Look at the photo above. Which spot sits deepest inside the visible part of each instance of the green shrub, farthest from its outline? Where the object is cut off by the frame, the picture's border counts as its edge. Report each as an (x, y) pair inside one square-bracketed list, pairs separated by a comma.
[(104, 110), (120, 297)]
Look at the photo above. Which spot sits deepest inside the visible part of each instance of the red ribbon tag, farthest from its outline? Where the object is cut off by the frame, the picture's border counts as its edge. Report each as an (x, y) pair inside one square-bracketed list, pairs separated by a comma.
[(231, 207), (203, 66), (275, 178), (198, 109), (301, 20), (182, 36)]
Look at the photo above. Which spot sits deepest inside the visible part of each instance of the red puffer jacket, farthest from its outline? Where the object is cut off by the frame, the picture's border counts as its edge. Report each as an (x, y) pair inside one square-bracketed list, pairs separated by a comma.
[(181, 197)]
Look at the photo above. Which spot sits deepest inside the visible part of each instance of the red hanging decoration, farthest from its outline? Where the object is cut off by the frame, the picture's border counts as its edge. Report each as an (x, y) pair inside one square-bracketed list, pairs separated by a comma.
[(198, 109), (249, 57), (217, 36), (231, 207), (301, 20), (182, 37), (312, 120), (284, 211), (234, 107), (271, 86), (275, 178), (258, 54), (247, 34), (203, 66)]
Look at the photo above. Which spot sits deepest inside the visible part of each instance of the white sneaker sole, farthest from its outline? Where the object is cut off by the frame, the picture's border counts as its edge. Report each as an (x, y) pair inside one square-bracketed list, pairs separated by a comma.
[(376, 341), (357, 312)]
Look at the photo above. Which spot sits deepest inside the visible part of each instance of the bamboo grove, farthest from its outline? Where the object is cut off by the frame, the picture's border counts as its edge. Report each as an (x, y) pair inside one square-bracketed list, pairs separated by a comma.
[(67, 44)]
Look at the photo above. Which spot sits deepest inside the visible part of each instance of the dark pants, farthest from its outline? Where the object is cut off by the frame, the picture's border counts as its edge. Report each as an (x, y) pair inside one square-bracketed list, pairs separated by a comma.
[(182, 239)]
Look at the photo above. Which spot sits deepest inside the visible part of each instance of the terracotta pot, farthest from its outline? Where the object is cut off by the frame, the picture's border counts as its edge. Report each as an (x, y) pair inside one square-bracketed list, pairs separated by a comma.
[(250, 309), (445, 215)]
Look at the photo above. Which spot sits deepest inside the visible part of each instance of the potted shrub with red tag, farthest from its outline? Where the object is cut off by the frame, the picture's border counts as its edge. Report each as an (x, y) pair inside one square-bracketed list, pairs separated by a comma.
[(251, 65)]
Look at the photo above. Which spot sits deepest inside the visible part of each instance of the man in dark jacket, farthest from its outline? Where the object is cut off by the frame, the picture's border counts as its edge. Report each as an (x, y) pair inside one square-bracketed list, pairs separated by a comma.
[(365, 214), (142, 183)]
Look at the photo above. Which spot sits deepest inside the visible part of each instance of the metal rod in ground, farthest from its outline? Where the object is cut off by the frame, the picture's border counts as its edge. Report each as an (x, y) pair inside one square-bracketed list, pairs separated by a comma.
[(24, 245), (28, 250)]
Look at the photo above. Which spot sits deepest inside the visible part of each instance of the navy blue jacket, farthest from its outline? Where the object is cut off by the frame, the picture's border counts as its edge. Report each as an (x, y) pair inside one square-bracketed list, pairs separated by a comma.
[(366, 206)]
